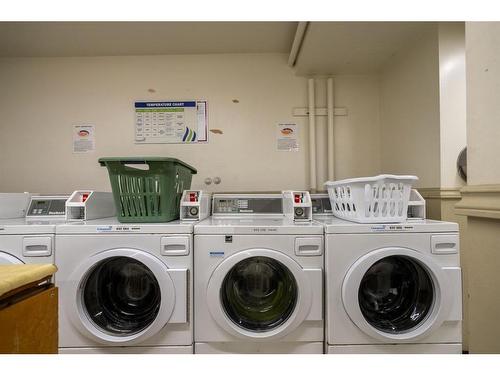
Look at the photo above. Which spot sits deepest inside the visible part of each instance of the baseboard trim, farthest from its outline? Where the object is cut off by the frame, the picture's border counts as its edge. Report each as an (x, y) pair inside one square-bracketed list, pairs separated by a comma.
[(479, 201), (440, 193)]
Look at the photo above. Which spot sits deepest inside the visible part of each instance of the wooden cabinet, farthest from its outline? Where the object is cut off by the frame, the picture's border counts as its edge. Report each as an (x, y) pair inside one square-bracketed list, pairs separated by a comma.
[(28, 320)]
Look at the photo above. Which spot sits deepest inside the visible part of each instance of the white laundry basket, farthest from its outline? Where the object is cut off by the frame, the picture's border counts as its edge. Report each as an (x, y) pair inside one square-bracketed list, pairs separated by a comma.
[(379, 199)]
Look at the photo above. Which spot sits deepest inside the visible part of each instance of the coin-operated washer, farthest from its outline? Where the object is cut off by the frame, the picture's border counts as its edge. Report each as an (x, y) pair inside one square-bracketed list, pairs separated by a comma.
[(391, 288), (127, 287), (30, 237), (258, 276)]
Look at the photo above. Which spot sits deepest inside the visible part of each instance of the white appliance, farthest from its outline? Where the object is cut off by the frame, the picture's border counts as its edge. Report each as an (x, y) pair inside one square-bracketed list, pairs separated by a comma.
[(29, 239), (125, 288), (22, 242), (258, 279), (392, 288)]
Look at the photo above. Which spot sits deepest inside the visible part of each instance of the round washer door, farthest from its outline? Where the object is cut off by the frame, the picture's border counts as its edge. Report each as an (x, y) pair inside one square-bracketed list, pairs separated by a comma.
[(259, 294), (6, 259), (122, 296), (396, 294)]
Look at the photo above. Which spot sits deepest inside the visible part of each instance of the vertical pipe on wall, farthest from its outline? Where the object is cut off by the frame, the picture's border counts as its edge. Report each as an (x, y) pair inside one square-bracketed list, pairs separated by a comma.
[(331, 139), (312, 135)]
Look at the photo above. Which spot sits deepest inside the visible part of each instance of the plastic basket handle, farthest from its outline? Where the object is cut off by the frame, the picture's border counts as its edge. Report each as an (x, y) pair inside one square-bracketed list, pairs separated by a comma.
[(133, 162), (104, 163)]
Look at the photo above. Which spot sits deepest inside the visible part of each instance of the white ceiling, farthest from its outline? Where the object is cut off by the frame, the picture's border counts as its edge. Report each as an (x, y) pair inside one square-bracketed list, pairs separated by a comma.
[(353, 47), (51, 39)]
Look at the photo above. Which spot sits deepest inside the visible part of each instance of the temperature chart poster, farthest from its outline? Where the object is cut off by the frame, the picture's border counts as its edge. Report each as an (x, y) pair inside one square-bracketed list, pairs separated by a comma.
[(171, 121)]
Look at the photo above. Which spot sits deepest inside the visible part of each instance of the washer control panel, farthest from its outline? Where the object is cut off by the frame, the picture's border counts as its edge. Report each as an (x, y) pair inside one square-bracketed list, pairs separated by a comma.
[(269, 204), (321, 204), (47, 206)]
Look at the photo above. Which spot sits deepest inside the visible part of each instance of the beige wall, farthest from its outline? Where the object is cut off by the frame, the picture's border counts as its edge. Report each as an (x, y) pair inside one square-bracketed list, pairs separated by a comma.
[(481, 198), (451, 100), (483, 109), (357, 135), (409, 111), (41, 98)]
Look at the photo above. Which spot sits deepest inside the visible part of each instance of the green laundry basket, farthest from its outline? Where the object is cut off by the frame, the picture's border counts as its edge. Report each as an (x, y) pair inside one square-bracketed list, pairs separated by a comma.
[(148, 196)]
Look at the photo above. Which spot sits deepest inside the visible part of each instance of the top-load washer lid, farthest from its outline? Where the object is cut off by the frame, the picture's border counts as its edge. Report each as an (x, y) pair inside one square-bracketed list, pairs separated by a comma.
[(112, 225), (333, 224), (252, 225), (23, 226)]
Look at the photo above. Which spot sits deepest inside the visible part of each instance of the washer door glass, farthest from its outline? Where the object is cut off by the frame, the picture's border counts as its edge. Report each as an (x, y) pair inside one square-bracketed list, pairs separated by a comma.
[(6, 258), (121, 296), (396, 294), (259, 293)]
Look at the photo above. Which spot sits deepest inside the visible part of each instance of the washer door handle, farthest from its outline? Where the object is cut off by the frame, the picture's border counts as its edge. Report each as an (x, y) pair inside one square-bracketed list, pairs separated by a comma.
[(37, 246), (309, 246), (175, 246)]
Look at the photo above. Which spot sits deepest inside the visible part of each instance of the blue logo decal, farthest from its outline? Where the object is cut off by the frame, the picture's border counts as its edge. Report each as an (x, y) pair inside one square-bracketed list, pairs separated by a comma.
[(107, 228)]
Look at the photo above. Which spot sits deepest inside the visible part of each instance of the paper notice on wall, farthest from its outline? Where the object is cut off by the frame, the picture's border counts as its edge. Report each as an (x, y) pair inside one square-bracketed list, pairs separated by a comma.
[(83, 139), (171, 122), (287, 137)]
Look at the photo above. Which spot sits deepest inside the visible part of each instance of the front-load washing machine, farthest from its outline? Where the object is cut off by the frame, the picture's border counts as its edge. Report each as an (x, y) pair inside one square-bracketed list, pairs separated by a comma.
[(392, 288), (30, 239), (125, 288), (23, 242), (258, 278)]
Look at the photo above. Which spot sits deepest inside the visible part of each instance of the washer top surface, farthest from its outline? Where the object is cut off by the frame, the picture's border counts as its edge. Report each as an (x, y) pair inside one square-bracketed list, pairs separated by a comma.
[(112, 225), (24, 226), (333, 224), (254, 225)]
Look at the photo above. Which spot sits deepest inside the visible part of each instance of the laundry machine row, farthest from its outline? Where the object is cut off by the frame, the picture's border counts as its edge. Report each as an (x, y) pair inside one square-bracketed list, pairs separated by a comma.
[(129, 288), (251, 281)]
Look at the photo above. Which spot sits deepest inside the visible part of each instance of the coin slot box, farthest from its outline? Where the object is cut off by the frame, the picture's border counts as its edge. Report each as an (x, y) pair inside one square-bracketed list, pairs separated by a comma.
[(297, 205), (87, 205), (195, 205)]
